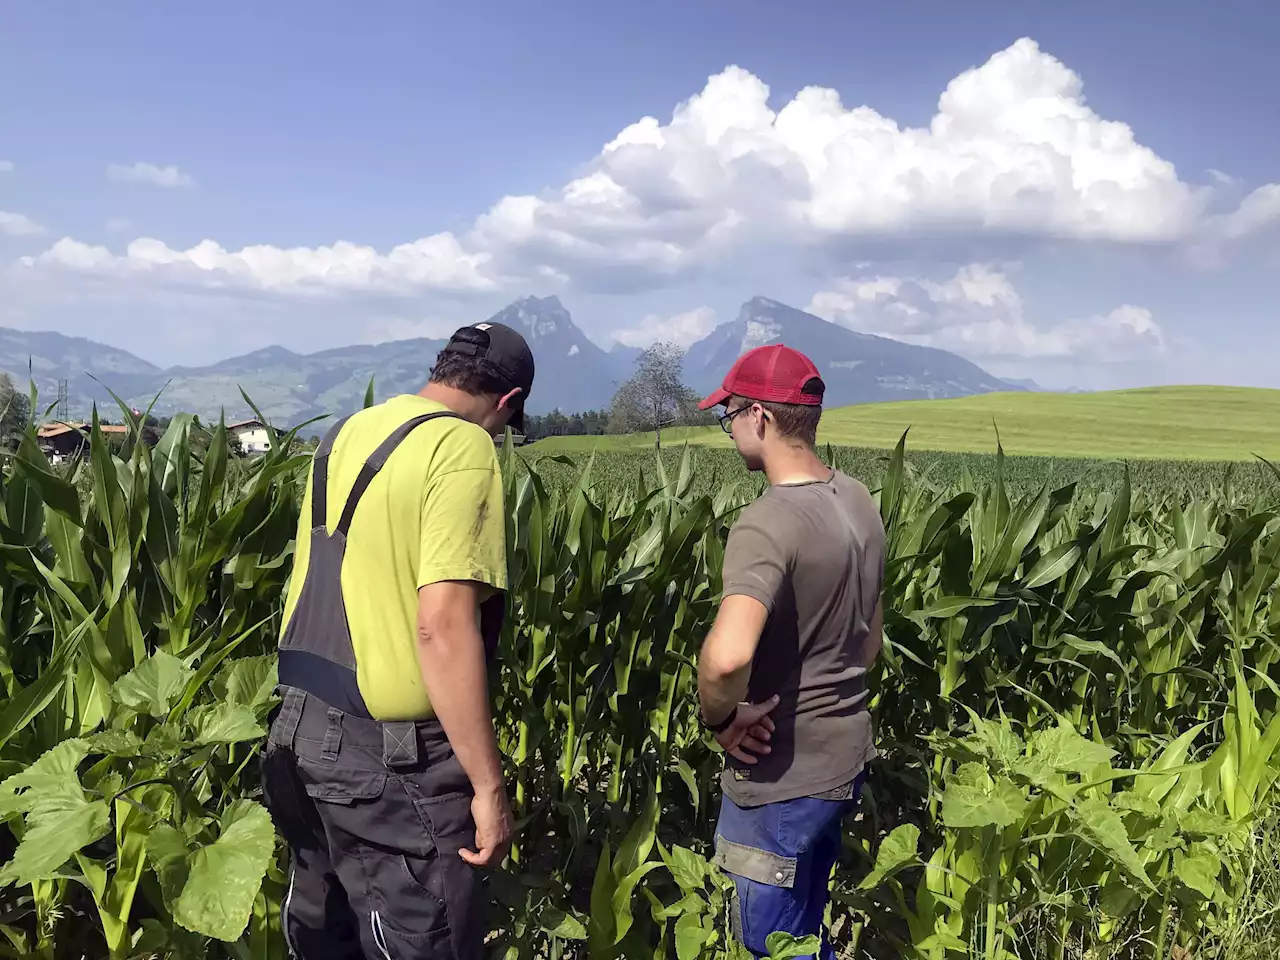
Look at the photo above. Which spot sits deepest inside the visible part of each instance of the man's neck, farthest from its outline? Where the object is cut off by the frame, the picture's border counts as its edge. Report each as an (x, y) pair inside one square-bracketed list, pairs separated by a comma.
[(788, 464), (466, 405)]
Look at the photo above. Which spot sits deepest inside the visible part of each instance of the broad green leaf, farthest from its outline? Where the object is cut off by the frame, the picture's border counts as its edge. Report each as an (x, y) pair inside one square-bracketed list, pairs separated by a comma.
[(785, 946), (54, 833), (973, 799), (690, 936), (897, 851), (154, 686), (1062, 748), (225, 876), (223, 723), (563, 925), (1103, 828), (1198, 869), (687, 868), (250, 680), (59, 819)]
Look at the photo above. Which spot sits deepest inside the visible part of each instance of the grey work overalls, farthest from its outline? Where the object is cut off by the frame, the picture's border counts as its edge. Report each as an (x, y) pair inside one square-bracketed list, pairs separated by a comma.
[(374, 813)]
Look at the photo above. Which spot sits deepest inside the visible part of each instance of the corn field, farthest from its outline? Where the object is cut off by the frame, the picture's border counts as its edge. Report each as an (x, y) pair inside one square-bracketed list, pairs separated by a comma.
[(1077, 708)]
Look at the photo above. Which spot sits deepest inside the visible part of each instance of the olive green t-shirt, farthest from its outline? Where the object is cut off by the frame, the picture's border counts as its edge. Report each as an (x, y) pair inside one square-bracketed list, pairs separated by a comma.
[(813, 554)]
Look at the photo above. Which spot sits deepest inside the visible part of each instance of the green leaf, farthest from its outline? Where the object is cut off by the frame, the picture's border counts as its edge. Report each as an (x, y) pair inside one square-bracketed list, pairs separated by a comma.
[(224, 723), (1062, 748), (897, 851), (635, 846), (61, 829), (1198, 869), (687, 868), (225, 876), (785, 946), (562, 925), (1053, 565), (690, 936), (153, 686), (249, 680), (1136, 803), (1104, 829), (973, 799), (59, 820)]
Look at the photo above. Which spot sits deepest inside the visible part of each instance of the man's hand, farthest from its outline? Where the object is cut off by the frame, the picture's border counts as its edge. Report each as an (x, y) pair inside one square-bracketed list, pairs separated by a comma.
[(495, 827), (752, 729)]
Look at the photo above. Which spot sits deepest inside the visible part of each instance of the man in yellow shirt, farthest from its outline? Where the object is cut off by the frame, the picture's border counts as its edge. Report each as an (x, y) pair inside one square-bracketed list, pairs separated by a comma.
[(381, 769)]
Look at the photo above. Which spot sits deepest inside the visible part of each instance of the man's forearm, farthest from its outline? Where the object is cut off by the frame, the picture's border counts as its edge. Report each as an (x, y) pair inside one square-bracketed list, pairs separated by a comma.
[(456, 678), (721, 691)]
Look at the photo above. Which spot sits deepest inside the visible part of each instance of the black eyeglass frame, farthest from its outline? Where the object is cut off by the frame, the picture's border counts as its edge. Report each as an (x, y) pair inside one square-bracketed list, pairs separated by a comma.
[(726, 418)]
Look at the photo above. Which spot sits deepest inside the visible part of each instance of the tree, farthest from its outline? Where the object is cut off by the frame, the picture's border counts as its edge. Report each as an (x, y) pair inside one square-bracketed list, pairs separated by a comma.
[(15, 409), (655, 397)]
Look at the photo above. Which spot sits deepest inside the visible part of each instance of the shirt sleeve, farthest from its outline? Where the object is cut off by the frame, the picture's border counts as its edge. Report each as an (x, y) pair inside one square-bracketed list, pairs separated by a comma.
[(757, 558), (464, 533)]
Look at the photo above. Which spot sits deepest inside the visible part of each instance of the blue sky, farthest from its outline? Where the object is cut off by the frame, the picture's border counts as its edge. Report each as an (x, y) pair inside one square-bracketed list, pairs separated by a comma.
[(1092, 205)]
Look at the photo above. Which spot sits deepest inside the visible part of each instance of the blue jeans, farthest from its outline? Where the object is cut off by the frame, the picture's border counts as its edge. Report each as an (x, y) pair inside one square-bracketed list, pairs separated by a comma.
[(780, 857)]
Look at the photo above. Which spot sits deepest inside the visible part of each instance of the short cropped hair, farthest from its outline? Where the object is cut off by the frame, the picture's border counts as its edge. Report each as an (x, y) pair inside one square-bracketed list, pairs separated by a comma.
[(794, 421), (470, 374)]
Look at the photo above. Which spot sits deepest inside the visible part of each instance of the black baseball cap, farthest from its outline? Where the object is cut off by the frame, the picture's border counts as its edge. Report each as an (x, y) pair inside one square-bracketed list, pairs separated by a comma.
[(507, 350)]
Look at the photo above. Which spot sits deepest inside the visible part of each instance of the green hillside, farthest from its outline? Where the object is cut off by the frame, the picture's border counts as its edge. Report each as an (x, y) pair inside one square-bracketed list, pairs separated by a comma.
[(1163, 423)]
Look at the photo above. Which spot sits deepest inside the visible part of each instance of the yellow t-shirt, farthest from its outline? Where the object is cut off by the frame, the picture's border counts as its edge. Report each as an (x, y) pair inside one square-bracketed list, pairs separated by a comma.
[(434, 512)]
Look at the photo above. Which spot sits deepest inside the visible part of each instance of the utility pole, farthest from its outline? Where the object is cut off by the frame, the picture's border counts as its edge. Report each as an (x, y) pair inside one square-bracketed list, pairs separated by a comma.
[(62, 399)]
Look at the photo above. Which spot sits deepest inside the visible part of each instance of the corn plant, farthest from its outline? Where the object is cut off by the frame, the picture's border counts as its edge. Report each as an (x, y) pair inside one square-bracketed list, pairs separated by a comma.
[(1076, 707)]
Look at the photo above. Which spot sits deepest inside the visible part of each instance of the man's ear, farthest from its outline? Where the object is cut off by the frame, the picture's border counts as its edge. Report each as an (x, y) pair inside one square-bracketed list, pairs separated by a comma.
[(504, 402)]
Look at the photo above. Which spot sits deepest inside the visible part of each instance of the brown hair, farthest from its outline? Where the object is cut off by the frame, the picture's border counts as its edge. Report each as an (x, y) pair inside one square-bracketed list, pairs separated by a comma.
[(470, 374), (794, 421)]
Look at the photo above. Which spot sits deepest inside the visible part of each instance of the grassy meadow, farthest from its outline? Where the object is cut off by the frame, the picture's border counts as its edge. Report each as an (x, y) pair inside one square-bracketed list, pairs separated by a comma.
[(1159, 423)]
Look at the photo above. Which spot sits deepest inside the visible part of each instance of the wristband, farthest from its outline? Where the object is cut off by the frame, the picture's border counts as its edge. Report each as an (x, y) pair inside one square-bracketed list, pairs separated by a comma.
[(724, 724)]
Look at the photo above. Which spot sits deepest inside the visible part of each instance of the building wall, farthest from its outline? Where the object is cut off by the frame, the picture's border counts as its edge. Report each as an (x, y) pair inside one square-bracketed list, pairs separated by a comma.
[(254, 439)]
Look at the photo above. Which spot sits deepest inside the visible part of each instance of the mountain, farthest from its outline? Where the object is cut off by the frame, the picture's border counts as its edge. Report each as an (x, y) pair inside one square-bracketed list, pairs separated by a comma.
[(856, 367), (623, 359), (1024, 384), (573, 373), (48, 357)]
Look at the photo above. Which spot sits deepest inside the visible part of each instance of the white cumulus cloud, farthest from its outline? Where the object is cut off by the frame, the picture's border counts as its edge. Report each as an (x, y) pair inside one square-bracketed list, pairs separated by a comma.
[(18, 225), (149, 173), (980, 314), (1013, 152), (683, 329), (434, 262)]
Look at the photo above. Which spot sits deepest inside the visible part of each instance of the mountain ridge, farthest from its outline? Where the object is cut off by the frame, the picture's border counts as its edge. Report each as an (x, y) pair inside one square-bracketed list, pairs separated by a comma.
[(574, 373)]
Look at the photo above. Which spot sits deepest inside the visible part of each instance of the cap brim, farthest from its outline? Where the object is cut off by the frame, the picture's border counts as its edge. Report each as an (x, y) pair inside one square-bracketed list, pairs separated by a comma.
[(717, 398)]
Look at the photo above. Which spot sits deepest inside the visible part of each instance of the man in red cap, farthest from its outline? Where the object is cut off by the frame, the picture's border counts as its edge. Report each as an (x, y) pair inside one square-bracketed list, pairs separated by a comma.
[(782, 674)]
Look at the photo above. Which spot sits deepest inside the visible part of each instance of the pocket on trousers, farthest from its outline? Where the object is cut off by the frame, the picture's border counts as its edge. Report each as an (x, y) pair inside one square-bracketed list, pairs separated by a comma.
[(410, 890), (340, 785)]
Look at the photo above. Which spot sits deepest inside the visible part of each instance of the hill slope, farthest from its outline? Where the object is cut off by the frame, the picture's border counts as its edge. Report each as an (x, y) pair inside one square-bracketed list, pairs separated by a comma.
[(1167, 423)]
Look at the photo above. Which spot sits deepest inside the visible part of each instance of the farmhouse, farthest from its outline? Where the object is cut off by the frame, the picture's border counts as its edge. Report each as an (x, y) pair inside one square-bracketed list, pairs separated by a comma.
[(62, 440), (252, 435)]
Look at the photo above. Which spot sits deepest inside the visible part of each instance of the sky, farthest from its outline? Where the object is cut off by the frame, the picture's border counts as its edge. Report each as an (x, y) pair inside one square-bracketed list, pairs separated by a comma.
[(1085, 194)]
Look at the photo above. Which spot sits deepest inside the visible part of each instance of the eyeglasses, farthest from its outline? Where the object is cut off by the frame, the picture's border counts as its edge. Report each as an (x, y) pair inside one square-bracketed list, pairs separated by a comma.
[(726, 418)]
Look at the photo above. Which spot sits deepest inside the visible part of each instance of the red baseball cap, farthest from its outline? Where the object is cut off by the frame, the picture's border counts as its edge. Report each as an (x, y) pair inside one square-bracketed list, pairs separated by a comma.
[(773, 374)]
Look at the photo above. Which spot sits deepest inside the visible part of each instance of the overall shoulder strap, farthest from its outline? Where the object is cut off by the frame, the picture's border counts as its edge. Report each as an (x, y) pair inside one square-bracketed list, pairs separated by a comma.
[(377, 460), (320, 475)]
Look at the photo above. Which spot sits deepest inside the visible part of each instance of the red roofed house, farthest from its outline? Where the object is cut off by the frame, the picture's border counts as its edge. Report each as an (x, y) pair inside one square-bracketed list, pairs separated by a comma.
[(62, 440)]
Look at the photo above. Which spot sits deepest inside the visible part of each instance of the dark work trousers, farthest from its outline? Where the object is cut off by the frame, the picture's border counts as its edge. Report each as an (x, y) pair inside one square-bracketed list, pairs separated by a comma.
[(374, 815)]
